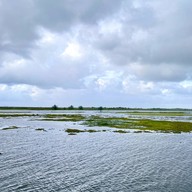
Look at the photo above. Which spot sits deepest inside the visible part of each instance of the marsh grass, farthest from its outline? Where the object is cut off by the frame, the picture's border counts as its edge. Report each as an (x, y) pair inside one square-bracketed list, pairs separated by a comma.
[(72, 133), (166, 126), (144, 125), (109, 122), (40, 129), (120, 131), (140, 124), (75, 131), (10, 128), (92, 131), (138, 131), (3, 115), (106, 122)]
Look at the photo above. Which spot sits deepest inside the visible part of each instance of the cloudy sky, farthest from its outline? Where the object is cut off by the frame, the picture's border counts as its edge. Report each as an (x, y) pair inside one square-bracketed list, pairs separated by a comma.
[(130, 53)]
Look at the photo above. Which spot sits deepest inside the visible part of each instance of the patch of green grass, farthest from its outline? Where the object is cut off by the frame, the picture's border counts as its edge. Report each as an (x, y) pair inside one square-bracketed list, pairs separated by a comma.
[(74, 131), (72, 134), (40, 129), (166, 126), (108, 122), (145, 131), (91, 131), (138, 131), (4, 115), (120, 131), (104, 122), (140, 124), (11, 127)]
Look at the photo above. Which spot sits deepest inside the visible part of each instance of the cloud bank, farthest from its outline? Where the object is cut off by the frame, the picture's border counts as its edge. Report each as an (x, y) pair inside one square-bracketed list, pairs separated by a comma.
[(113, 53)]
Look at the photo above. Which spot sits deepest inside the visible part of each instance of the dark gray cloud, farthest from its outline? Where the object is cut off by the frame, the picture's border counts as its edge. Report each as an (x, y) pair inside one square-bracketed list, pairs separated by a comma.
[(17, 26), (64, 13), (162, 72), (20, 19), (151, 33)]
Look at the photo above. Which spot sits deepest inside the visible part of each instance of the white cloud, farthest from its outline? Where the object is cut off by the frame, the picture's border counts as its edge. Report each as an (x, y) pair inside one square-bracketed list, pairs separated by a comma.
[(73, 50), (186, 84), (114, 52), (46, 37), (166, 92), (3, 87)]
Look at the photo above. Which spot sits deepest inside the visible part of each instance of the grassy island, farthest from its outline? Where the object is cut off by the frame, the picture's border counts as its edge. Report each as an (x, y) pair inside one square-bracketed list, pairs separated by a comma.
[(140, 124)]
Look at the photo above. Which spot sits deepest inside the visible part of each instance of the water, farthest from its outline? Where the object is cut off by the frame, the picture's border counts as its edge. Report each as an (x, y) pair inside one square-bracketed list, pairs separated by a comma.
[(92, 162)]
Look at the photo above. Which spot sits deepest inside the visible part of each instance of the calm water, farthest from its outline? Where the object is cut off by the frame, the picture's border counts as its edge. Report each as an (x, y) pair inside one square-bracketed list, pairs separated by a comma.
[(92, 162)]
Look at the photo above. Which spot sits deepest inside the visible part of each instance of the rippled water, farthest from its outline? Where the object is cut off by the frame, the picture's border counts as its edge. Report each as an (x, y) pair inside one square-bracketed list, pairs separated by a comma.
[(92, 162)]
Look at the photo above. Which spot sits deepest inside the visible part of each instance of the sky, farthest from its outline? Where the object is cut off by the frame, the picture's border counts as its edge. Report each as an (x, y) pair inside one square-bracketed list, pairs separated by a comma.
[(125, 53)]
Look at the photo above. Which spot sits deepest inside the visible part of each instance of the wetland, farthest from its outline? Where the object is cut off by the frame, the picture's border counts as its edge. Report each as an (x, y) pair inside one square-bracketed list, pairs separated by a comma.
[(112, 150)]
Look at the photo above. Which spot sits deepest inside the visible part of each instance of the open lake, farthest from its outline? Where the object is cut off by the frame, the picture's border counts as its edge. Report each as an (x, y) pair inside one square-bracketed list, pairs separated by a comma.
[(52, 160)]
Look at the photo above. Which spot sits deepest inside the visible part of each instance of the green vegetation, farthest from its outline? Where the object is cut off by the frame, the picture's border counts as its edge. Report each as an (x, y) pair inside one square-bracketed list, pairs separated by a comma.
[(5, 115), (145, 131), (138, 121), (91, 131), (92, 108), (72, 134), (80, 107), (138, 131), (140, 124), (108, 122), (55, 107), (165, 126), (11, 127), (74, 131), (71, 107), (120, 131), (100, 108), (40, 129)]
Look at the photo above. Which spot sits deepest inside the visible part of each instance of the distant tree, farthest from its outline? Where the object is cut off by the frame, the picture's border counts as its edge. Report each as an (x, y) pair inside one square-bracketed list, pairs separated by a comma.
[(71, 107), (100, 108), (54, 107), (80, 107)]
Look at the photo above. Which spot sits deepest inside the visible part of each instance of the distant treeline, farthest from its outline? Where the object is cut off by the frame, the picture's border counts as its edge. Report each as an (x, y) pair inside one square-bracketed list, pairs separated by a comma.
[(71, 107)]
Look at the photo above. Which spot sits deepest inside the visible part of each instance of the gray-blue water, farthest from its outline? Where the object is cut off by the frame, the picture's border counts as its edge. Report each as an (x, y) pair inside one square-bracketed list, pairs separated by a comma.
[(33, 161)]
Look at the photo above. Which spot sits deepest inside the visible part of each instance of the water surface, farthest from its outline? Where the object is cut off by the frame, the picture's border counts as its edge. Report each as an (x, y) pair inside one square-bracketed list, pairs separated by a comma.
[(92, 162)]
